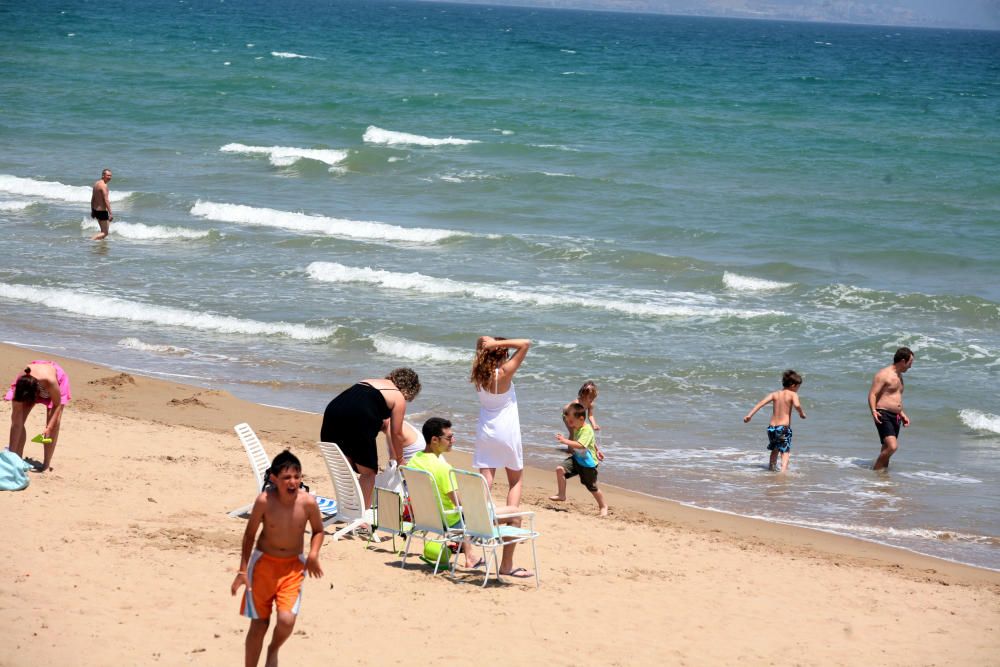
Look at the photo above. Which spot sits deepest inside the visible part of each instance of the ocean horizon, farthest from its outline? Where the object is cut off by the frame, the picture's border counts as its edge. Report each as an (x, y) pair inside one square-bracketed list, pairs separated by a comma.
[(677, 208)]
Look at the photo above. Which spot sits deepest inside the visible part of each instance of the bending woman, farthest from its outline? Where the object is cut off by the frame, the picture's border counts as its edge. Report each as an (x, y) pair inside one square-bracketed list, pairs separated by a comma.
[(41, 382), (498, 435), (354, 418)]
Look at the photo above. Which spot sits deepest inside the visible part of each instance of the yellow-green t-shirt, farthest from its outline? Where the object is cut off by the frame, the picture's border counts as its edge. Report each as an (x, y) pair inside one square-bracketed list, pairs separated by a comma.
[(440, 470), (585, 436)]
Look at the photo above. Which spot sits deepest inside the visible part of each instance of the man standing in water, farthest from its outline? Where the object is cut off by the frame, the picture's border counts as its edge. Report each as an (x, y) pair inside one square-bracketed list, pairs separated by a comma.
[(100, 205), (885, 400)]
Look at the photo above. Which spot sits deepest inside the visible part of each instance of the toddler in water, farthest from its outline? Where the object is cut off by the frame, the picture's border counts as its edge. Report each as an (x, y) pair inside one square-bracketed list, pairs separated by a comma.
[(586, 397), (779, 432)]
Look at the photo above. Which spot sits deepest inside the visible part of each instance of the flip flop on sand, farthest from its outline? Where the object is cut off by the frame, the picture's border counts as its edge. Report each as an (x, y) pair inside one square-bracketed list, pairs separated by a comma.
[(519, 573), (478, 564)]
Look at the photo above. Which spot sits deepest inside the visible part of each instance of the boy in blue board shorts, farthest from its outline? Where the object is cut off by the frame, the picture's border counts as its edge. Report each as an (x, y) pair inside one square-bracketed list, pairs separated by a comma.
[(779, 431), (583, 461)]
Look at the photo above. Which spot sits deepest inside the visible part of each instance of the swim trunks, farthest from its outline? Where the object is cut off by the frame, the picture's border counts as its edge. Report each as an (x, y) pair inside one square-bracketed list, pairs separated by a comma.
[(98, 215), (43, 397), (892, 422), (780, 438), (352, 420), (273, 581), (588, 476)]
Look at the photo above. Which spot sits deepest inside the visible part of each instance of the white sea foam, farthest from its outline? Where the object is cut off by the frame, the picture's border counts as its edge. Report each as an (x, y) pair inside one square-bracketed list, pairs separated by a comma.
[(414, 351), (136, 344), (318, 224), (107, 307), (880, 533), (283, 156), (376, 135), (338, 273), (467, 175), (558, 147), (941, 477), (14, 205), (53, 190), (141, 232), (289, 54), (736, 282), (980, 421)]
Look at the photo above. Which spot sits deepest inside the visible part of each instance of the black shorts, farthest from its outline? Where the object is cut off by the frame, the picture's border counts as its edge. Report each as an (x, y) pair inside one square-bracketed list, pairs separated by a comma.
[(98, 215), (892, 422), (588, 476)]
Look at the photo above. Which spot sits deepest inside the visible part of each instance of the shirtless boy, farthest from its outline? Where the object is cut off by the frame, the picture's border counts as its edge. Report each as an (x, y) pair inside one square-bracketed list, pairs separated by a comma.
[(779, 431), (100, 206), (885, 401), (273, 572)]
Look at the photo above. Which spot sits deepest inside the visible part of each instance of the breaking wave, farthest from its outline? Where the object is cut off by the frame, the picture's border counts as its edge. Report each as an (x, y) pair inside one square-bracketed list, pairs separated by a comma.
[(318, 224), (108, 307)]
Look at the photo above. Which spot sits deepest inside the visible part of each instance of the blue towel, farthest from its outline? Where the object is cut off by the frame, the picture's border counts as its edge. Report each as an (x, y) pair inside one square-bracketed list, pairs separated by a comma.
[(13, 471)]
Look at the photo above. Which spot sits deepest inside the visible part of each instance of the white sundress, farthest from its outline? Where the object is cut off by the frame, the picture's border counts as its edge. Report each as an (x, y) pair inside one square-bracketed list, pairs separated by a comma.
[(498, 435)]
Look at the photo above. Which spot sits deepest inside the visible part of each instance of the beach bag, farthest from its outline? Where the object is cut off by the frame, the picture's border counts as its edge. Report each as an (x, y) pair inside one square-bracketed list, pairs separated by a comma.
[(391, 479), (13, 471)]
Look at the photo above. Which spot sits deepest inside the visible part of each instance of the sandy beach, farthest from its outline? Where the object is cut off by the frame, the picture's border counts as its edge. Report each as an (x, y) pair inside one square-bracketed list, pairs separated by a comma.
[(124, 554)]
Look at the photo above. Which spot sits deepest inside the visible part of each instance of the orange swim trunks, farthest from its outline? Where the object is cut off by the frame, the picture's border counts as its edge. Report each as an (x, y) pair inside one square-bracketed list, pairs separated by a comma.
[(273, 581)]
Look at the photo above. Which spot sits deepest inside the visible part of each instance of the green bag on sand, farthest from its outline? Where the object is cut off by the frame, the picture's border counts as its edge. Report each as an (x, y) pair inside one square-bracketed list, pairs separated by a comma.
[(432, 551)]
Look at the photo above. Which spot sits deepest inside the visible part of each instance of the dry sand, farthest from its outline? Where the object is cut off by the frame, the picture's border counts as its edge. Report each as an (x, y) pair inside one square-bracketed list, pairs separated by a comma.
[(124, 554)]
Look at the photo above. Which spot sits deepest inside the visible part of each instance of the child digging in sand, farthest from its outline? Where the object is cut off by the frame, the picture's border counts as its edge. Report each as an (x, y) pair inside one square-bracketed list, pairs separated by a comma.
[(583, 461), (273, 572), (779, 432)]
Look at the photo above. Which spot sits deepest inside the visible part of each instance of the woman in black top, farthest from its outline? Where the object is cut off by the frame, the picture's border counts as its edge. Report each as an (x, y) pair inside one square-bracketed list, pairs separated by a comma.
[(353, 419)]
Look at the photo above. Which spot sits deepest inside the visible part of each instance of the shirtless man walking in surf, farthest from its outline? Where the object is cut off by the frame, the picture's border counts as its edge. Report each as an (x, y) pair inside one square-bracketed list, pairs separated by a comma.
[(100, 206), (885, 400)]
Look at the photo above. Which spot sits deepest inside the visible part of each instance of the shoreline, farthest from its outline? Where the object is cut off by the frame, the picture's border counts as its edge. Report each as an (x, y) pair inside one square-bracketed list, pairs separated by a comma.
[(130, 531), (293, 427)]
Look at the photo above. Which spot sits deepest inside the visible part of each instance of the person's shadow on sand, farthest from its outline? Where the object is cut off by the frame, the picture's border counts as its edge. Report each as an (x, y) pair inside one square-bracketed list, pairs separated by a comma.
[(36, 465)]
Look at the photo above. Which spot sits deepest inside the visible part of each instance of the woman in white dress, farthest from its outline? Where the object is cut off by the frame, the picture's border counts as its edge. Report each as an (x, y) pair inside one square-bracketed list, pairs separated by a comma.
[(498, 435)]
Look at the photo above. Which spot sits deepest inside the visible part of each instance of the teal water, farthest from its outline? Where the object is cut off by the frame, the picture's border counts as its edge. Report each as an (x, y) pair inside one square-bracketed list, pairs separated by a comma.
[(677, 208)]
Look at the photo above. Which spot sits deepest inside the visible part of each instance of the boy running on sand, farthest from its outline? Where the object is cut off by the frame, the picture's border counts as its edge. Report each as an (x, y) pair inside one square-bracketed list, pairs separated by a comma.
[(779, 432), (273, 572), (584, 461)]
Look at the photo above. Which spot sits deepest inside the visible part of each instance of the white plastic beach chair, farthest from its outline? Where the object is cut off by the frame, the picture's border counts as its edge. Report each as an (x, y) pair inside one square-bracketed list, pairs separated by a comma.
[(259, 463), (481, 523), (350, 503), (427, 514)]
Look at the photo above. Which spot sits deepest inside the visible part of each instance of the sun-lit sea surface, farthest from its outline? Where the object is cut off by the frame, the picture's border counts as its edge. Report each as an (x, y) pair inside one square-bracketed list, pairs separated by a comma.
[(677, 208)]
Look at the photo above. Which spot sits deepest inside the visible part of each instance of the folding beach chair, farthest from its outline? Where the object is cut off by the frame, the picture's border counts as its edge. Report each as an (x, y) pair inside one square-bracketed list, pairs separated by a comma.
[(427, 514), (481, 523), (388, 511), (350, 502)]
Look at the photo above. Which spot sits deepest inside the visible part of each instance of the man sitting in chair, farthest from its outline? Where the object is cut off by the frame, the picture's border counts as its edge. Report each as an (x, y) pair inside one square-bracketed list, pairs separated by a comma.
[(440, 439)]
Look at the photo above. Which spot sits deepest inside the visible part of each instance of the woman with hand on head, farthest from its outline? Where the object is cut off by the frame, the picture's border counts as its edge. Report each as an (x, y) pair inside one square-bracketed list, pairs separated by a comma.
[(353, 419), (498, 435)]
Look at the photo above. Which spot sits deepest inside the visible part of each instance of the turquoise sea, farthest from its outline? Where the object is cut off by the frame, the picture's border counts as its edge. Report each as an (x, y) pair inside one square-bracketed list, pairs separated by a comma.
[(314, 192)]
